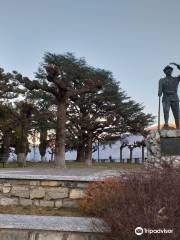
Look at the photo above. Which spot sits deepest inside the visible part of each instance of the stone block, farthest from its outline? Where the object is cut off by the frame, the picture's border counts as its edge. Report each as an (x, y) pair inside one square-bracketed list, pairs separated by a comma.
[(70, 203), (75, 236), (8, 201), (13, 235), (1, 187), (51, 236), (6, 188), (33, 236), (37, 193), (56, 193), (163, 133), (25, 202), (82, 185), (44, 203), (59, 204), (20, 191), (178, 132), (34, 183), (76, 194), (69, 184), (36, 202), (171, 133), (20, 182), (50, 183)]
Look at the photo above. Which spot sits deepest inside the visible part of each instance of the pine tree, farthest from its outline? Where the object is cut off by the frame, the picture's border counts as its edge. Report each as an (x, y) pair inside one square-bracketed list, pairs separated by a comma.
[(45, 118), (9, 87), (95, 116), (64, 77)]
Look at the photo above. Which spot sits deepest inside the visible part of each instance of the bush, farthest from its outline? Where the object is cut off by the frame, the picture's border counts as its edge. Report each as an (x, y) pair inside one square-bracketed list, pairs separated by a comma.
[(150, 199)]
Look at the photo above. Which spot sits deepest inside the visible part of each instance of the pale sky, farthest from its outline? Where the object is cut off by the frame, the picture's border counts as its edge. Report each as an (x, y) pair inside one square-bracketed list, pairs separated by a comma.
[(134, 39)]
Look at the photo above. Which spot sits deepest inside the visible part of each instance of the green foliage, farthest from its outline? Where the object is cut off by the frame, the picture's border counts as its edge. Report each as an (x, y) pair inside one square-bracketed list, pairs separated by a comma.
[(9, 87), (106, 112)]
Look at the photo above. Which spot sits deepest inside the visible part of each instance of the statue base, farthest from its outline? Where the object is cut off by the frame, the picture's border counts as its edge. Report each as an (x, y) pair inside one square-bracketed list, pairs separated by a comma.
[(163, 148)]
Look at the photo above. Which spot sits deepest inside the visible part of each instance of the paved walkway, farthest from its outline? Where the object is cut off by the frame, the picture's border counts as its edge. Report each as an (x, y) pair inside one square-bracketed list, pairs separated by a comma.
[(77, 174), (49, 223)]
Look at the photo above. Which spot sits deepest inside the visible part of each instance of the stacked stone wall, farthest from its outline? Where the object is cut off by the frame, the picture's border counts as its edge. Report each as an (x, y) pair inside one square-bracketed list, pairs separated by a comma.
[(44, 193)]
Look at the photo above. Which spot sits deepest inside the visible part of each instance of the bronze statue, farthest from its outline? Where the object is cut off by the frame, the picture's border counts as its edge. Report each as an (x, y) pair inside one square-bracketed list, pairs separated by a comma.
[(168, 86)]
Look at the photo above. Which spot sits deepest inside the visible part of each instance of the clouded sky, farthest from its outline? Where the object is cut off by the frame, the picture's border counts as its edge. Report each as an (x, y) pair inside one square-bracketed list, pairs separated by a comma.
[(134, 39)]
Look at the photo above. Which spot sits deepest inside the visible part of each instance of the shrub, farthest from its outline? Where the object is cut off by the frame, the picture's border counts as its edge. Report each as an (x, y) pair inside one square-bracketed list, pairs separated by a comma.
[(150, 199)]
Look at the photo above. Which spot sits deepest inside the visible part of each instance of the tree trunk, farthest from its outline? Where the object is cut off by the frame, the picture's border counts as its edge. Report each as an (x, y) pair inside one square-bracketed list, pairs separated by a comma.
[(88, 153), (60, 134), (43, 143), (131, 154), (98, 152), (80, 154), (121, 154), (42, 158), (21, 159), (22, 144), (6, 142), (142, 154)]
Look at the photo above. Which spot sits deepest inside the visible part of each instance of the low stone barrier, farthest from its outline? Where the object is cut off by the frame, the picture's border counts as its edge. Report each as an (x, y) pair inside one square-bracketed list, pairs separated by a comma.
[(46, 235), (26, 227), (47, 187), (44, 193)]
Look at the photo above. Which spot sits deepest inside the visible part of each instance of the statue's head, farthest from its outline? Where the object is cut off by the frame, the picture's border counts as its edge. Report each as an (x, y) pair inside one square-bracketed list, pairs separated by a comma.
[(168, 70)]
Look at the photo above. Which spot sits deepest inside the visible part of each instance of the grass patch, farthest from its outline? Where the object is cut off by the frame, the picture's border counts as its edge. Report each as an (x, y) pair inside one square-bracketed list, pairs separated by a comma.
[(104, 165), (42, 211)]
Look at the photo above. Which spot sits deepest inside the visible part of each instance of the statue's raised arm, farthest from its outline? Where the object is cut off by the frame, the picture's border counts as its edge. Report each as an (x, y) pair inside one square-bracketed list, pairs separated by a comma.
[(178, 67), (175, 64)]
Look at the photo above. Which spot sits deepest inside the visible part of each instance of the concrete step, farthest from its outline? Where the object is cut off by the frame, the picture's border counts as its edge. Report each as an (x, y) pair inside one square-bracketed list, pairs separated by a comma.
[(31, 227)]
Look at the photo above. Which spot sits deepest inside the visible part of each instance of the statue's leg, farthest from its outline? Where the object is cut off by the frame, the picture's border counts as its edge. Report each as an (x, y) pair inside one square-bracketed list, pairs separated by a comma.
[(175, 110), (166, 108)]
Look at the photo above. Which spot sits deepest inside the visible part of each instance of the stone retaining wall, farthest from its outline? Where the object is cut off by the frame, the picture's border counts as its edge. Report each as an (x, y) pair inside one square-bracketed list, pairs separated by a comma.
[(46, 235), (44, 193)]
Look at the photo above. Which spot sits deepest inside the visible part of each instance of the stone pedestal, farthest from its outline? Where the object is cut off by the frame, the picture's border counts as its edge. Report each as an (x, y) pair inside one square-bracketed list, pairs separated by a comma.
[(163, 148)]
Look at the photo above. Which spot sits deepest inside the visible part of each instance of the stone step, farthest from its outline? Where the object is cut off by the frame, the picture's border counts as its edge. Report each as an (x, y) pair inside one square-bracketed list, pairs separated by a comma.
[(30, 227), (77, 174), (52, 223)]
